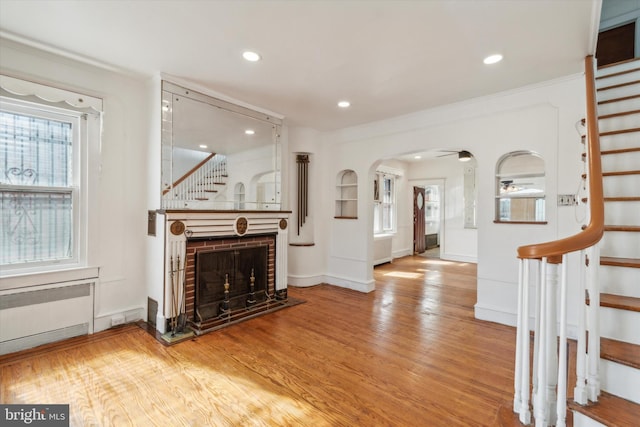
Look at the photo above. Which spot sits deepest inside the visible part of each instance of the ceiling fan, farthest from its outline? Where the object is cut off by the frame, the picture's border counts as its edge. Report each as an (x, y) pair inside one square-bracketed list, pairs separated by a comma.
[(463, 155)]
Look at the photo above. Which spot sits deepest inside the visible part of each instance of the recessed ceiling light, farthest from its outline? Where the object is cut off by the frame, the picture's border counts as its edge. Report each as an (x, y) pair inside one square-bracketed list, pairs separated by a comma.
[(344, 104), (492, 59), (203, 146), (417, 157), (251, 56), (250, 132)]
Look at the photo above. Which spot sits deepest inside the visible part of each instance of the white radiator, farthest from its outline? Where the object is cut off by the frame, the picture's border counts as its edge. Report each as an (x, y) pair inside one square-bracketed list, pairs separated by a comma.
[(44, 314), (382, 246)]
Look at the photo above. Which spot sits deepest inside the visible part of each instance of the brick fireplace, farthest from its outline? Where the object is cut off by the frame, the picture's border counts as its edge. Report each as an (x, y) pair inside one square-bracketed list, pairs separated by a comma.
[(227, 246), (210, 263)]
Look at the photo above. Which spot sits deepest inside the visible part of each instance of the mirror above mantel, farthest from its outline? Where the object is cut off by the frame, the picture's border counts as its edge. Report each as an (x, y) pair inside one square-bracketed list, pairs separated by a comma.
[(217, 155)]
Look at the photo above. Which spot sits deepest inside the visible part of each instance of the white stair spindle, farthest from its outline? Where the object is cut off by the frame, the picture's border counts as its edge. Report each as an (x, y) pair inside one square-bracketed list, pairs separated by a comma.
[(540, 408), (552, 341), (562, 367), (580, 391), (517, 377), (525, 413)]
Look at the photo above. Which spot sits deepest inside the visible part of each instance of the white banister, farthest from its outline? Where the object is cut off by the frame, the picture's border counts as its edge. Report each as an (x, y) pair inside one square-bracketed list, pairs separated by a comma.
[(551, 280), (542, 267)]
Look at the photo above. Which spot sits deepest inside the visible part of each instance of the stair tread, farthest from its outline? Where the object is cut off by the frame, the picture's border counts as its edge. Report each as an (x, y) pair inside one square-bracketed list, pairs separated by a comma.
[(620, 302), (619, 131), (633, 228), (623, 98), (618, 173), (610, 410), (622, 199), (620, 352), (620, 262), (619, 85), (622, 113), (620, 151), (614, 64)]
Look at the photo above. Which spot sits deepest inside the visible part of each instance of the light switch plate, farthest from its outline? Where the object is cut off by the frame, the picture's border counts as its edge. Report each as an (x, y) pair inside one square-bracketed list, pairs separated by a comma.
[(566, 199)]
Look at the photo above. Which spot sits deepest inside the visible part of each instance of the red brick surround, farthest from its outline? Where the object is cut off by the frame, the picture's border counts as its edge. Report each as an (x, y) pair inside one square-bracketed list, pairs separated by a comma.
[(223, 244)]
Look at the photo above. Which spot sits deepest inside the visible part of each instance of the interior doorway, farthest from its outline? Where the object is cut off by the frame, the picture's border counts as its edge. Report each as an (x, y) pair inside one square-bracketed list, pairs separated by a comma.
[(419, 240), (429, 220)]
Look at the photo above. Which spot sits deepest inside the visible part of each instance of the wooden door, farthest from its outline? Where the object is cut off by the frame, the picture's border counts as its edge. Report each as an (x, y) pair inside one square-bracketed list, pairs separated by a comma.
[(419, 244), (616, 44)]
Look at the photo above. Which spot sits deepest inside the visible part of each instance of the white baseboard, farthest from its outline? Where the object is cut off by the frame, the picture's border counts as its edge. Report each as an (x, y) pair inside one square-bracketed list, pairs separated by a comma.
[(305, 281), (103, 322), (402, 252), (458, 258), (492, 314), (382, 261), (365, 287)]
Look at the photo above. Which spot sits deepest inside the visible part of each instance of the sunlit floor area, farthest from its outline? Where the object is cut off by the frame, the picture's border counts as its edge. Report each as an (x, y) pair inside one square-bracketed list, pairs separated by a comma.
[(408, 354)]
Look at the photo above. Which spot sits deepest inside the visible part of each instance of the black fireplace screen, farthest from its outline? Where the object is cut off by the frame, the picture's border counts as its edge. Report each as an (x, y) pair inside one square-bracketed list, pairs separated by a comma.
[(215, 267)]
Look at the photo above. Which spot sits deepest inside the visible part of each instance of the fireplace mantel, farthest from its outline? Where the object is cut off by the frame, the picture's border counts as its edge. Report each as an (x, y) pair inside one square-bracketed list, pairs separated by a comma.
[(176, 227)]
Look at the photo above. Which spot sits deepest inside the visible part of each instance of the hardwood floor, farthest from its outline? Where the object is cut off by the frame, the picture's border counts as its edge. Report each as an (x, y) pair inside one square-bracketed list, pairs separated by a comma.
[(408, 354)]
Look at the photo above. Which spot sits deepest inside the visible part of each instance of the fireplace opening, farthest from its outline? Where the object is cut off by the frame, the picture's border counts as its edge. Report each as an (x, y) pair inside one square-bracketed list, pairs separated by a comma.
[(240, 268)]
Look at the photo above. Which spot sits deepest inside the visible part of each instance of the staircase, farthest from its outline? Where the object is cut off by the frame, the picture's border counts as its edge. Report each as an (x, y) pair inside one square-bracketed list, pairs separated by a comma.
[(618, 95), (201, 184)]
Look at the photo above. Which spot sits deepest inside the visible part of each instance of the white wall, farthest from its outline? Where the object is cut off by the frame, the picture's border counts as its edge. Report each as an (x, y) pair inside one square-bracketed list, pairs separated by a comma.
[(116, 237)]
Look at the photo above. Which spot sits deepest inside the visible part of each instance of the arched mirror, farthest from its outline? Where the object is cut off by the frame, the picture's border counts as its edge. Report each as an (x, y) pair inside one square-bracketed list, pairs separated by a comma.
[(209, 146)]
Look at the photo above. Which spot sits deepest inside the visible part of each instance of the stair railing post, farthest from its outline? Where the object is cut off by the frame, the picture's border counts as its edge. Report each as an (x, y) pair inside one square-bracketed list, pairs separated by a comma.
[(537, 273), (593, 376), (525, 413), (580, 391), (551, 355), (518, 377), (540, 404), (561, 402), (521, 377)]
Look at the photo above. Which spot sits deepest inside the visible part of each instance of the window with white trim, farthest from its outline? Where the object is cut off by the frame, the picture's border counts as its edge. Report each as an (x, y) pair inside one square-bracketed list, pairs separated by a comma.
[(384, 203), (43, 181)]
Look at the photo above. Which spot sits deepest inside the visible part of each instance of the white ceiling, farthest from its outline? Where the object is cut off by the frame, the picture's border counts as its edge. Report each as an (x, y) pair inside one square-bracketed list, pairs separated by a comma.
[(387, 57)]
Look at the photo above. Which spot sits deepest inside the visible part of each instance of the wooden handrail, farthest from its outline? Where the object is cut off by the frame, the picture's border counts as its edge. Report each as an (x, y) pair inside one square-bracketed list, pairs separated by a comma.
[(593, 232), (186, 175)]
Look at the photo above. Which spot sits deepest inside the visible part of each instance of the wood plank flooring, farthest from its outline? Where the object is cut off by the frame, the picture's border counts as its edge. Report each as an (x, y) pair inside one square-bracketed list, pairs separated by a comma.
[(408, 354)]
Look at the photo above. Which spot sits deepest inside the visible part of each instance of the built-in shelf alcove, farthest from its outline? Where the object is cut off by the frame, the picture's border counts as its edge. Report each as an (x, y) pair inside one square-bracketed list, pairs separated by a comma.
[(346, 195)]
